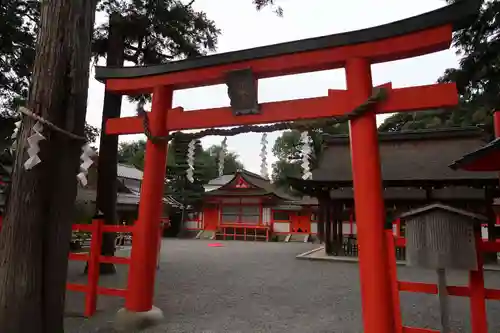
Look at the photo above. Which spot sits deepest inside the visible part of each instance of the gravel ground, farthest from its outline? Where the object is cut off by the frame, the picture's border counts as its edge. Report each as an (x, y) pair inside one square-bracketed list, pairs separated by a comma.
[(247, 287)]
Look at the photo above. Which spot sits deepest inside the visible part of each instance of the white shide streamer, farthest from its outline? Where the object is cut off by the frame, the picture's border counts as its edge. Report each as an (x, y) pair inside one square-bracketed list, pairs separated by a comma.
[(263, 156), (190, 161), (34, 146), (306, 153), (15, 133), (86, 158), (222, 156)]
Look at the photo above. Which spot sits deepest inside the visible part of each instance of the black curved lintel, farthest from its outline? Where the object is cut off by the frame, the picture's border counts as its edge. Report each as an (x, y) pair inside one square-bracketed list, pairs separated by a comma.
[(458, 14)]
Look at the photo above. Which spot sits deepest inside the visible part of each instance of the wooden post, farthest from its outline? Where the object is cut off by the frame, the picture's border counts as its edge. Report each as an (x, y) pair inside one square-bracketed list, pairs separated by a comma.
[(369, 205), (141, 278), (444, 306), (93, 268)]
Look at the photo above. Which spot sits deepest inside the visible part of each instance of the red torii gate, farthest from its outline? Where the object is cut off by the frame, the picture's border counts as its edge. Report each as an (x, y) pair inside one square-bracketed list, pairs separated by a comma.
[(355, 51)]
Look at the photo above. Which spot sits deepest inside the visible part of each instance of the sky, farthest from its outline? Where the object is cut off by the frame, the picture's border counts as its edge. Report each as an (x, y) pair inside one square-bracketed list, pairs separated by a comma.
[(243, 27)]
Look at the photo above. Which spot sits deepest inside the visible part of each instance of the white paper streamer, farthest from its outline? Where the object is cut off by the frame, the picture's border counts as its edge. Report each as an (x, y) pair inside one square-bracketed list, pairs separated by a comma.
[(34, 146), (86, 158), (306, 153), (263, 157), (190, 161), (14, 135), (222, 156)]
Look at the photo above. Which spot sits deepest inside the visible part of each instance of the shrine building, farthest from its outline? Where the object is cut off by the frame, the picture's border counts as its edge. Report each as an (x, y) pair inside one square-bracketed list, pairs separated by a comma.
[(415, 172), (246, 206)]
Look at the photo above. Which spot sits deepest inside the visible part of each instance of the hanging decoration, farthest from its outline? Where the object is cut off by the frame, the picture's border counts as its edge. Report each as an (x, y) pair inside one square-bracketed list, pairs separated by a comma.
[(36, 136), (263, 156), (222, 156), (86, 158), (190, 161), (34, 146), (15, 133), (306, 153)]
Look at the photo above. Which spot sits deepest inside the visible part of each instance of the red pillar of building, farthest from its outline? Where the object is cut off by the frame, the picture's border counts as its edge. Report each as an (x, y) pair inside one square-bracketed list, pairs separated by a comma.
[(496, 122), (141, 279), (378, 315)]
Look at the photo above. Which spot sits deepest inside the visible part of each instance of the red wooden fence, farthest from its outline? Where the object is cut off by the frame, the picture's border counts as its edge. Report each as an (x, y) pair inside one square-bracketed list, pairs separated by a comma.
[(475, 291), (94, 258)]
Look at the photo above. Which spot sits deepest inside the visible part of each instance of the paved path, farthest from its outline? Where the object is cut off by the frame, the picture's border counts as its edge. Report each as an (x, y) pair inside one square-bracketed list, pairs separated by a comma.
[(247, 287)]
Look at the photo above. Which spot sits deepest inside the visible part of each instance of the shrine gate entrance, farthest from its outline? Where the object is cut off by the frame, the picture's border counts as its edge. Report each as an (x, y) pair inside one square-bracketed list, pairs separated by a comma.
[(355, 51)]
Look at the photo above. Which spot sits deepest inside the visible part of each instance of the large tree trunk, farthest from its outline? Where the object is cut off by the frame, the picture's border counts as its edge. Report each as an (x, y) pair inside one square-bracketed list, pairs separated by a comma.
[(108, 147), (36, 233)]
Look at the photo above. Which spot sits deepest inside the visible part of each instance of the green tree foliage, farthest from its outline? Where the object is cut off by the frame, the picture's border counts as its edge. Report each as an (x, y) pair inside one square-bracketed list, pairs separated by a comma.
[(206, 166), (157, 31), (478, 76), (477, 79), (19, 20)]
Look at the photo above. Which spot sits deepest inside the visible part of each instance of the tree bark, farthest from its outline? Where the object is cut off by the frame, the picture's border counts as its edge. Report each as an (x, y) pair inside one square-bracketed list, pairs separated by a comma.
[(108, 147), (36, 232)]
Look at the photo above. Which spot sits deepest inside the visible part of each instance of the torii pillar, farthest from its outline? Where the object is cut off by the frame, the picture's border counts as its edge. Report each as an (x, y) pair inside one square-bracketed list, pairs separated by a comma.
[(141, 278)]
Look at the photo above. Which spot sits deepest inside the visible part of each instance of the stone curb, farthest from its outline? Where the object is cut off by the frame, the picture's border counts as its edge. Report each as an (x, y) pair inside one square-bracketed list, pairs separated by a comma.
[(354, 260)]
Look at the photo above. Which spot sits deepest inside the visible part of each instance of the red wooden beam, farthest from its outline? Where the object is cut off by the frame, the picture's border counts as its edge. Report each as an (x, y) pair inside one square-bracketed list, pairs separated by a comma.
[(419, 330), (337, 103), (405, 46)]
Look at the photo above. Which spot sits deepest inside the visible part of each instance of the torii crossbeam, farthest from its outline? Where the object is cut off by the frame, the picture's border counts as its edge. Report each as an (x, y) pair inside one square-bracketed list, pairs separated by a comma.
[(355, 51)]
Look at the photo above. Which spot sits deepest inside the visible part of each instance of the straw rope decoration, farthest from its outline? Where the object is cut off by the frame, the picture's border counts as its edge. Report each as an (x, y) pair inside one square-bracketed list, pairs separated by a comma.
[(36, 136), (41, 125)]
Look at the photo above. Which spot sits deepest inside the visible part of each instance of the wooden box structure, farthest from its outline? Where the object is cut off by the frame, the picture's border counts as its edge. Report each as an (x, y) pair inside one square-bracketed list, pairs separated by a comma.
[(441, 237)]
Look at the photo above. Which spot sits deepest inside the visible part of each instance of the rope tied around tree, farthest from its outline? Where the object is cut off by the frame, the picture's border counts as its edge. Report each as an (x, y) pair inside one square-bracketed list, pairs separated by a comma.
[(379, 94), (36, 135)]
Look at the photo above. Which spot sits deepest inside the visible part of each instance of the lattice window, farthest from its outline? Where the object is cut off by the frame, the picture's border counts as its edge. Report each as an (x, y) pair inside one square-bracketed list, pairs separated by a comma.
[(241, 214)]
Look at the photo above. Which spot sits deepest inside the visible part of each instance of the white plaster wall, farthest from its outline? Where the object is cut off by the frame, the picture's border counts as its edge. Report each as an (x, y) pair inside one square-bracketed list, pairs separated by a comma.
[(281, 227), (192, 225), (266, 216), (314, 227), (346, 228)]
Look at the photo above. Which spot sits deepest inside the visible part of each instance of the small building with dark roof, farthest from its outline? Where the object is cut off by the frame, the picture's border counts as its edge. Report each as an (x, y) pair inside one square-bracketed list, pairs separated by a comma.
[(245, 201), (415, 171)]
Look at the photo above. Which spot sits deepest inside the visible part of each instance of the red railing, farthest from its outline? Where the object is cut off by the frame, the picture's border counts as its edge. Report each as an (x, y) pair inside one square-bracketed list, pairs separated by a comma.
[(249, 230), (94, 258), (476, 291)]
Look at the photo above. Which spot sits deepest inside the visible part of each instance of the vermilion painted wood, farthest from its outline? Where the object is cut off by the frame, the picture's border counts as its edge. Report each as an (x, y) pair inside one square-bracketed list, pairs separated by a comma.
[(406, 46), (338, 103), (479, 319), (430, 288), (419, 330), (476, 291), (143, 265), (369, 204), (77, 287), (393, 272), (78, 256), (112, 291), (94, 257)]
